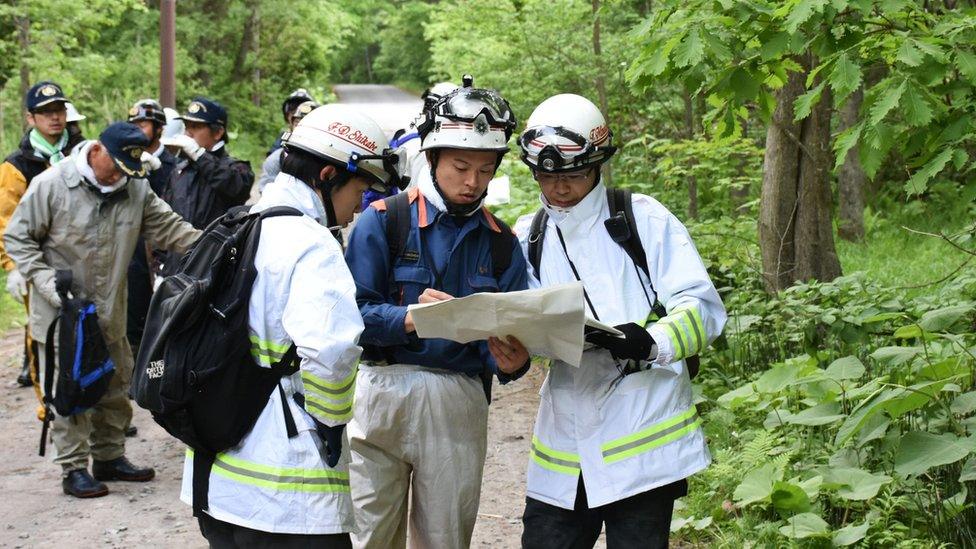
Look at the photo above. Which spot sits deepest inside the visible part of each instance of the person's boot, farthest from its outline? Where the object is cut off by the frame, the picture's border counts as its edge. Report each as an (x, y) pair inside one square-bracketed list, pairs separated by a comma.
[(131, 431), (24, 379), (80, 484), (121, 469)]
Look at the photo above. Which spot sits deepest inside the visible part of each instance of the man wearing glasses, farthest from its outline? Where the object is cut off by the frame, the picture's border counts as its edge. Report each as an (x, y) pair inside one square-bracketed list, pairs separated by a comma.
[(615, 438)]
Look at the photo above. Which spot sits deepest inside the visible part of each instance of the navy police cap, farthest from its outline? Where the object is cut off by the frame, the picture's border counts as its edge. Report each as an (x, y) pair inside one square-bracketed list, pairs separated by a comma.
[(43, 93), (125, 143), (206, 111)]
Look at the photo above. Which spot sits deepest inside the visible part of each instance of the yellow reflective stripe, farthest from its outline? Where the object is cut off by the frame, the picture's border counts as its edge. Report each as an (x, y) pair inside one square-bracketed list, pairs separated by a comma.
[(687, 332), (291, 479), (268, 345), (695, 326), (554, 460), (652, 437), (341, 412), (327, 387), (676, 340)]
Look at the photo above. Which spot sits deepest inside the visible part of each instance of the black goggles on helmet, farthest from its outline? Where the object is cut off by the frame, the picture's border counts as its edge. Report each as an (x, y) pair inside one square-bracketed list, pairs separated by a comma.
[(466, 104), (551, 156), (394, 163)]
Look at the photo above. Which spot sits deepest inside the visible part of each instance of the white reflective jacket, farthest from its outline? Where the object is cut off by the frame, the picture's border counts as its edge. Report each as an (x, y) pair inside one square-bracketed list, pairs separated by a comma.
[(629, 435), (303, 293)]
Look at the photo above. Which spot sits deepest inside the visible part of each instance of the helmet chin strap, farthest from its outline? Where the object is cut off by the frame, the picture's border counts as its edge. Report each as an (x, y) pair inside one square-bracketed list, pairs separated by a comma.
[(457, 210)]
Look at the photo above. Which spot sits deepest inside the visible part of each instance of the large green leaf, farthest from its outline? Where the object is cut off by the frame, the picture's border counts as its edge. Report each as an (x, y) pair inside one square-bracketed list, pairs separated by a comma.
[(894, 402), (845, 78), (909, 54), (690, 51), (853, 483), (915, 106), (801, 13), (895, 356), (888, 100), (851, 534), (848, 367), (789, 499), (964, 403), (805, 103), (805, 525), (942, 319), (920, 179), (966, 63), (821, 414), (920, 451), (757, 485), (968, 470)]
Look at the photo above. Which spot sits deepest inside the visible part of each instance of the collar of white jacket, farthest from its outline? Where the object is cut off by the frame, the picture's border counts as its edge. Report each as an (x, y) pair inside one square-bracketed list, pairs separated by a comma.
[(584, 214), (289, 191)]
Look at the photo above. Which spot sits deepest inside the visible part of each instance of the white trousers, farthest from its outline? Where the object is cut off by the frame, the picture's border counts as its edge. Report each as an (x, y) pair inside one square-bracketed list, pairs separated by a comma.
[(417, 432)]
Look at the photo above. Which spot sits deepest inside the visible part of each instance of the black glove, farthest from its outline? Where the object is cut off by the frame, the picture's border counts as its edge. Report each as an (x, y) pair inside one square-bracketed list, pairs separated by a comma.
[(636, 344), (331, 436)]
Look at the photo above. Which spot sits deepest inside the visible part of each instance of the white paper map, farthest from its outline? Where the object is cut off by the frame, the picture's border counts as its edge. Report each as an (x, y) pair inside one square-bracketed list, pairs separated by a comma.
[(548, 321)]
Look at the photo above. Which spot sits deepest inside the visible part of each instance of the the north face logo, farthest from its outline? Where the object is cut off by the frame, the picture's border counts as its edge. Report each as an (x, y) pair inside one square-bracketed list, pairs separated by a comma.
[(155, 369)]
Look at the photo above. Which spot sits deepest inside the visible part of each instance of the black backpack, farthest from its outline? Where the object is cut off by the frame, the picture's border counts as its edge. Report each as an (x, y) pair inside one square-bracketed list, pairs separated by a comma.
[(84, 367), (623, 230), (195, 371), (397, 234)]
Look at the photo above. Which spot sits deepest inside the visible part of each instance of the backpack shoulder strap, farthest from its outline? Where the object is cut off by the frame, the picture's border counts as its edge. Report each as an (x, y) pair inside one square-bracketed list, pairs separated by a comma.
[(537, 234), (501, 247), (397, 223), (621, 201)]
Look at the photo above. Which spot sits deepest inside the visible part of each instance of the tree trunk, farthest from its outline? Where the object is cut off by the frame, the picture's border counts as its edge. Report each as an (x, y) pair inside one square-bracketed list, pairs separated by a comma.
[(795, 231), (601, 79), (689, 133), (248, 41), (23, 40), (851, 179)]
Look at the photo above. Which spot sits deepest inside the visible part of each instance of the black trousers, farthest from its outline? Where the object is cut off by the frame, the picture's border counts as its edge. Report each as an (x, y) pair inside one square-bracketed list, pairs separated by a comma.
[(223, 535), (643, 520)]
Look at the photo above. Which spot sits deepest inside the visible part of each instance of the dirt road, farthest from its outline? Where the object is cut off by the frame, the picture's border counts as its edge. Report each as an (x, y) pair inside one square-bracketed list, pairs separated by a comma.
[(36, 514)]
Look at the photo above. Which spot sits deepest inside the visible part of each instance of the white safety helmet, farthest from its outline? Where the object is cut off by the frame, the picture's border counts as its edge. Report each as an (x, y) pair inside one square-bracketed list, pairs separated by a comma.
[(73, 115), (468, 118), (566, 132), (435, 92), (174, 124), (344, 136)]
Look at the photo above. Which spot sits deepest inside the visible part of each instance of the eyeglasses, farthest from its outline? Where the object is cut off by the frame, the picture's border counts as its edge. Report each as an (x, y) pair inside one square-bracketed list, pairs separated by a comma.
[(572, 178)]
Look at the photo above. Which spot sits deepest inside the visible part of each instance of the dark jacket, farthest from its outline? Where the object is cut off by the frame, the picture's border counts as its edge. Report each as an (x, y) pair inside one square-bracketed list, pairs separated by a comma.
[(205, 189), (159, 178), (16, 173)]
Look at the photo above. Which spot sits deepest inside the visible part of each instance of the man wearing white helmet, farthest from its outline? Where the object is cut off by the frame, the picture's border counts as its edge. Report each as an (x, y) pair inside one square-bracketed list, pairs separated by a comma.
[(615, 438), (287, 483), (420, 419)]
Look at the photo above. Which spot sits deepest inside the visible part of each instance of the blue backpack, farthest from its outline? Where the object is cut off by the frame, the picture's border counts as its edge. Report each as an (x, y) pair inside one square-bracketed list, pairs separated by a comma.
[(84, 367)]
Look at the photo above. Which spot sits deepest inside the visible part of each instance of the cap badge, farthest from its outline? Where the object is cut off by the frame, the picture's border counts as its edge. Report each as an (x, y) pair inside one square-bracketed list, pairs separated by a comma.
[(48, 91)]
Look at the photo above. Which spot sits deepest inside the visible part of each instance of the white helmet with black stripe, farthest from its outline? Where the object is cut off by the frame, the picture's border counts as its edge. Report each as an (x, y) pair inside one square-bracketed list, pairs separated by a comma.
[(566, 132)]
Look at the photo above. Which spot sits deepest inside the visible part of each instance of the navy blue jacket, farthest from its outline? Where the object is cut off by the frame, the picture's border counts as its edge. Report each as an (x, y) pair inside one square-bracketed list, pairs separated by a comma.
[(441, 253)]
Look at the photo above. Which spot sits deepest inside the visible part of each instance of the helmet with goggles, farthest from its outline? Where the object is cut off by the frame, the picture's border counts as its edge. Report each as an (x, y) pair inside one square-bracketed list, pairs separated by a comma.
[(148, 109), (345, 137), (468, 118), (293, 100), (566, 132)]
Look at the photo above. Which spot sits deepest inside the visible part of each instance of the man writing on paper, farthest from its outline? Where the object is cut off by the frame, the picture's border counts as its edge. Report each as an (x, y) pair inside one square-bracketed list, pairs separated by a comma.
[(615, 438), (420, 418)]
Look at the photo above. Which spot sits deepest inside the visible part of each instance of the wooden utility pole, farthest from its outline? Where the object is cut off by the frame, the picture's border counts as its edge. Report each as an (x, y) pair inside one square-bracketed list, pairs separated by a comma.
[(167, 53)]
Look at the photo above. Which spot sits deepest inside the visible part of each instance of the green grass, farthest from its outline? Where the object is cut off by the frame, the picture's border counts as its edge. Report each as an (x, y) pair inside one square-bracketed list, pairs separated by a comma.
[(894, 256), (11, 313)]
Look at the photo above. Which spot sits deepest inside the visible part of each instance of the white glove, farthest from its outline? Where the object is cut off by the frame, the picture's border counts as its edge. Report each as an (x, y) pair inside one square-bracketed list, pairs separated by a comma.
[(190, 148), (49, 290), (16, 285), (150, 161)]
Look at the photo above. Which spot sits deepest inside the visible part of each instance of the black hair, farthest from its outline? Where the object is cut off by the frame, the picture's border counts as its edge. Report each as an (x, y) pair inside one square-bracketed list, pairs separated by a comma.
[(306, 167), (215, 127)]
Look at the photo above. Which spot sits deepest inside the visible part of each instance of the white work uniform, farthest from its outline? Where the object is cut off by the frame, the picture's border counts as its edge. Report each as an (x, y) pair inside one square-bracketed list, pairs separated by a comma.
[(625, 436), (304, 294)]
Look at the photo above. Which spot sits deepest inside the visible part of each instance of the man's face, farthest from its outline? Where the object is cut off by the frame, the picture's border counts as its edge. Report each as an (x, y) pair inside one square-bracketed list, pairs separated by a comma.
[(463, 175), (203, 134), (106, 171), (50, 120), (566, 189), (348, 199), (149, 129)]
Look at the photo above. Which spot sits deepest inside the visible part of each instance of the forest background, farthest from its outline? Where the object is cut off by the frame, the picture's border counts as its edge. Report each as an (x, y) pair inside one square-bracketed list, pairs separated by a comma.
[(821, 153)]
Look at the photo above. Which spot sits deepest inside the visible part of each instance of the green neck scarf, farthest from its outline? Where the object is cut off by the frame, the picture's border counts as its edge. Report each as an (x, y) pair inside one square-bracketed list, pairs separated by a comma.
[(43, 149)]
